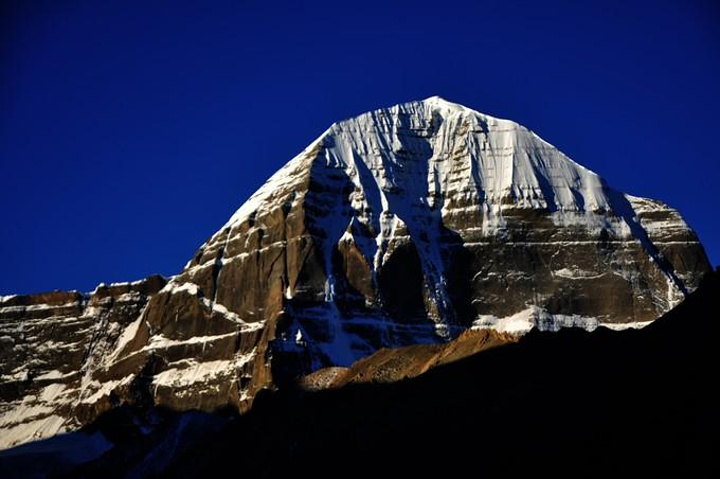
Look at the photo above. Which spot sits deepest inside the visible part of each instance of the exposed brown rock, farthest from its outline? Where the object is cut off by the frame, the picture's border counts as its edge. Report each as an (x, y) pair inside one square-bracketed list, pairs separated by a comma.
[(391, 365)]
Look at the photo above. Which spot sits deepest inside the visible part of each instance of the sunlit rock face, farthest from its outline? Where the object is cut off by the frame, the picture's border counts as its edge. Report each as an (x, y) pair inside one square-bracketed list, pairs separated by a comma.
[(412, 223), (401, 226), (51, 345)]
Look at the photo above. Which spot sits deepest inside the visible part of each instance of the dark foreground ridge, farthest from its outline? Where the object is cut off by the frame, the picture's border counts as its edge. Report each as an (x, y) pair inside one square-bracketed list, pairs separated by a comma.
[(602, 404)]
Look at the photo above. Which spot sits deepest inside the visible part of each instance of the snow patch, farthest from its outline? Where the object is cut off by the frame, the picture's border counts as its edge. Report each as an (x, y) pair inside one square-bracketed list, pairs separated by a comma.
[(55, 374), (127, 283), (200, 372), (127, 335), (536, 317), (31, 431), (174, 288), (576, 273), (519, 323), (626, 326), (160, 342), (105, 389)]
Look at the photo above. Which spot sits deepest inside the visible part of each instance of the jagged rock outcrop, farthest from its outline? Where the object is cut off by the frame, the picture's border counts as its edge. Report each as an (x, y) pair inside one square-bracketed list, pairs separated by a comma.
[(401, 226), (50, 346)]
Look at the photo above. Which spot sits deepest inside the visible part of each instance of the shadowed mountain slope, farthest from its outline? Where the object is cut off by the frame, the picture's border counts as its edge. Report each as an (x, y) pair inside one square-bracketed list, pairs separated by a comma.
[(602, 404)]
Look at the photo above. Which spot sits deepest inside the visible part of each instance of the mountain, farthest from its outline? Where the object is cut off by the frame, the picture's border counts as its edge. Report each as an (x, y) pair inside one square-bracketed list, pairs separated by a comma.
[(403, 226), (564, 404), (572, 403)]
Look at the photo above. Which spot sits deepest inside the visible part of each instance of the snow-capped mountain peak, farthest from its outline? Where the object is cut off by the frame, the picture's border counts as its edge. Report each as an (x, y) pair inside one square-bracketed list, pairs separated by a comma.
[(404, 225)]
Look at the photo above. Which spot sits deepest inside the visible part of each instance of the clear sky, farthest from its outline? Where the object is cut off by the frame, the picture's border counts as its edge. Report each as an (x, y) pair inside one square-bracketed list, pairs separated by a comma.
[(131, 130)]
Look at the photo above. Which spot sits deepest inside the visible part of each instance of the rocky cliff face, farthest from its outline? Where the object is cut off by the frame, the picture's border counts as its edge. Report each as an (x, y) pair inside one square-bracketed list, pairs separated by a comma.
[(50, 346), (402, 226)]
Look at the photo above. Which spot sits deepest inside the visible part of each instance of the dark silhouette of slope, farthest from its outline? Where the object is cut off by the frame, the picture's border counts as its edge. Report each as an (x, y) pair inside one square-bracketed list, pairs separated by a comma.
[(601, 404)]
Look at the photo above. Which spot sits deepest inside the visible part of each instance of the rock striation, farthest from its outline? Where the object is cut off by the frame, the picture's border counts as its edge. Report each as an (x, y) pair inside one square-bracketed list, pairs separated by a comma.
[(406, 225), (51, 345)]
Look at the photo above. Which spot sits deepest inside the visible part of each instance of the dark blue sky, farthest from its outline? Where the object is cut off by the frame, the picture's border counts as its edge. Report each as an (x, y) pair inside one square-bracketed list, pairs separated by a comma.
[(130, 131)]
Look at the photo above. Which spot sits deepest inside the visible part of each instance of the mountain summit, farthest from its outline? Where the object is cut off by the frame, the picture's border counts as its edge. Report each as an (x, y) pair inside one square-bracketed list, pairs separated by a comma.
[(404, 225)]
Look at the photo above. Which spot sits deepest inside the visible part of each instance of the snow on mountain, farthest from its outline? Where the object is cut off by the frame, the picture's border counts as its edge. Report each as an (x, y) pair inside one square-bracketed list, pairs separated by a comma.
[(404, 225)]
